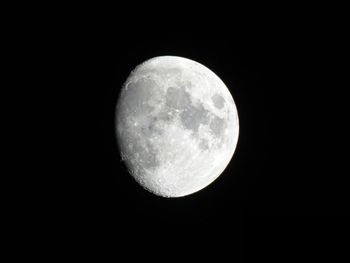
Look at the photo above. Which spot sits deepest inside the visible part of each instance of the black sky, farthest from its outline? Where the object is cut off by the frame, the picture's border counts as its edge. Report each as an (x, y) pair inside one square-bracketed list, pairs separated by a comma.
[(279, 82), (280, 71)]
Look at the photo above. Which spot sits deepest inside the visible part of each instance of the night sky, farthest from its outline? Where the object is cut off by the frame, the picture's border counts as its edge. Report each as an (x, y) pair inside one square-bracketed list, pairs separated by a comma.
[(279, 72)]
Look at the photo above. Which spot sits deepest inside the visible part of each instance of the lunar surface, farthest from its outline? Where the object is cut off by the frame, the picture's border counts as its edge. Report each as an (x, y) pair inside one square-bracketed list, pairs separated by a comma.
[(177, 126)]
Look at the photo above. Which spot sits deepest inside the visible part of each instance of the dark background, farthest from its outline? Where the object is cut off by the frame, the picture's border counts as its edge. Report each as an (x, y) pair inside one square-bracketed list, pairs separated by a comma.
[(282, 69)]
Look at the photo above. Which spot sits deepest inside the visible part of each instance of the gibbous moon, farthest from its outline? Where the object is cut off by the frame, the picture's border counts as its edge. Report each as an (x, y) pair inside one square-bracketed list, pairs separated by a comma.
[(177, 126)]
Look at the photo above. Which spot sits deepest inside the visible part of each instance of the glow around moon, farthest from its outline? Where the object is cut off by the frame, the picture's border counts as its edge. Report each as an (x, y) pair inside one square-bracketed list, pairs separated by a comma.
[(177, 126)]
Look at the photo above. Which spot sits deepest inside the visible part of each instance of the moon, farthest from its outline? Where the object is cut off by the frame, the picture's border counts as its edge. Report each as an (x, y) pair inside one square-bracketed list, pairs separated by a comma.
[(176, 126)]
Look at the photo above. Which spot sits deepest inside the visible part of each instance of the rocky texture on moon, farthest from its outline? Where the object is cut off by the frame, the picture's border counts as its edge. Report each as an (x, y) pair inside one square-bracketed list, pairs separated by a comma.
[(177, 126)]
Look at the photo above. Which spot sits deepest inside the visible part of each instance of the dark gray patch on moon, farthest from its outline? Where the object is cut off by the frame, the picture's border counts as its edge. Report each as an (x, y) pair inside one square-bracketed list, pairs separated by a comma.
[(177, 98), (166, 115), (217, 126), (218, 101), (203, 144), (192, 117), (136, 97)]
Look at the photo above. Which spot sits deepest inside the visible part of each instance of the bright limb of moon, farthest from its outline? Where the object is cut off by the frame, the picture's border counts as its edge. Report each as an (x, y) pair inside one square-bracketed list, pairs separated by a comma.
[(177, 125)]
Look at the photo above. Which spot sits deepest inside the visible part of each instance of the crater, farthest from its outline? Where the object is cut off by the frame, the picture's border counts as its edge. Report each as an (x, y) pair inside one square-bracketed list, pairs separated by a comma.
[(143, 153), (218, 101), (136, 146)]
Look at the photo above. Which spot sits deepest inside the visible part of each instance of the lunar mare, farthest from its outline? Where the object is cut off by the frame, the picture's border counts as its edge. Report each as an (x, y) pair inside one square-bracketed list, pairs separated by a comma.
[(176, 124)]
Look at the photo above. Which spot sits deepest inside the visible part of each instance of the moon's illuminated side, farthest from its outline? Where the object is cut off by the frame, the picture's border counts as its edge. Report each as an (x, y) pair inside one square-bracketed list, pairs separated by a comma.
[(177, 125)]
